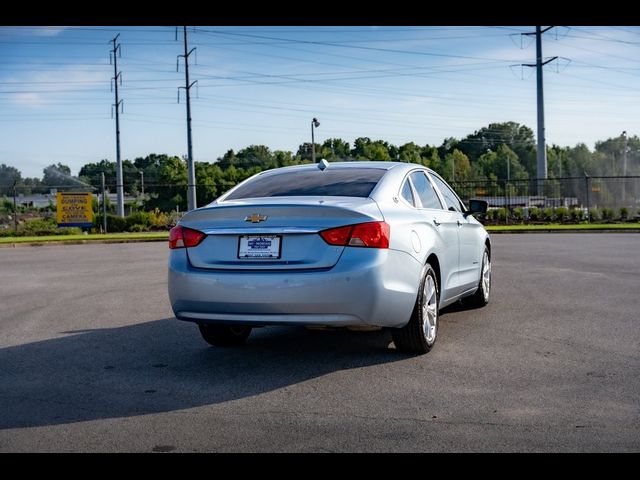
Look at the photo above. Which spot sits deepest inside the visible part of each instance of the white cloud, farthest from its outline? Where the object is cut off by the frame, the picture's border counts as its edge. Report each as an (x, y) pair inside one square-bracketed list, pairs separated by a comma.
[(39, 31), (49, 31), (28, 99)]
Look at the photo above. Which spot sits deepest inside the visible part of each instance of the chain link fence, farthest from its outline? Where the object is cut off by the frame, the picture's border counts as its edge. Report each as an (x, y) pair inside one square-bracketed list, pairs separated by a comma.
[(579, 198)]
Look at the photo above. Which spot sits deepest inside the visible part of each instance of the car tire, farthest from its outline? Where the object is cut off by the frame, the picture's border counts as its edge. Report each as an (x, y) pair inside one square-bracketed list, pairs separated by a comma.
[(419, 335), (225, 335), (481, 297)]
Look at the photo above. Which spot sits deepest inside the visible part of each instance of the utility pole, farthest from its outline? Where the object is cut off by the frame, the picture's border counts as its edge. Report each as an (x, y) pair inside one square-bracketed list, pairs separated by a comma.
[(116, 76), (191, 171), (542, 152), (624, 167), (104, 205)]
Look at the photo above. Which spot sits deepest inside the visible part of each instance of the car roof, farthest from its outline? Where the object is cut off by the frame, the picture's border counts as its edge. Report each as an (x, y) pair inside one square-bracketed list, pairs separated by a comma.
[(355, 164)]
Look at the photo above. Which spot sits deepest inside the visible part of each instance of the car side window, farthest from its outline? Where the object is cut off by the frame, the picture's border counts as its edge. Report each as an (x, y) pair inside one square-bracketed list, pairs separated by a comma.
[(407, 194), (450, 197), (428, 196)]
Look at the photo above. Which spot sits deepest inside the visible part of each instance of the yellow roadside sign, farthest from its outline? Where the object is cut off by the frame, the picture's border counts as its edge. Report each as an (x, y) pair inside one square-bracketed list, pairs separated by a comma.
[(74, 209)]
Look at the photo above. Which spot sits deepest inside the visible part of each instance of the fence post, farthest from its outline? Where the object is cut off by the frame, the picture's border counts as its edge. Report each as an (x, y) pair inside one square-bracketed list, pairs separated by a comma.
[(15, 208), (104, 205), (586, 181), (507, 210)]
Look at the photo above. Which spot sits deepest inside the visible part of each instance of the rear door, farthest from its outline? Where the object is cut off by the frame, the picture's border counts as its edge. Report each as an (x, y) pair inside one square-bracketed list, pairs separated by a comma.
[(469, 268), (444, 223)]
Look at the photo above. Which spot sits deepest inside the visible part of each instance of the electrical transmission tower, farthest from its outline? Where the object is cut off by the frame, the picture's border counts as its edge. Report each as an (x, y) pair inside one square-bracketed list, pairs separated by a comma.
[(542, 150), (191, 172), (117, 76)]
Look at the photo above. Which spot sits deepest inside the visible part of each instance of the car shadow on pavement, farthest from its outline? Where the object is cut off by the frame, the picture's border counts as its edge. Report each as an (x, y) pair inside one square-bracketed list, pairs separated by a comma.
[(164, 365)]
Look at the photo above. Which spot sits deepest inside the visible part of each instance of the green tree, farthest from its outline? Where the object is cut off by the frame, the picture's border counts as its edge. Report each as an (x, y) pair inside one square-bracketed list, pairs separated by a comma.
[(8, 177), (447, 146), (256, 156), (410, 153), (227, 160), (365, 149), (283, 158), (169, 190), (431, 158), (456, 166), (519, 139), (335, 149), (208, 179), (304, 152), (612, 155), (91, 173), (580, 160), (359, 148)]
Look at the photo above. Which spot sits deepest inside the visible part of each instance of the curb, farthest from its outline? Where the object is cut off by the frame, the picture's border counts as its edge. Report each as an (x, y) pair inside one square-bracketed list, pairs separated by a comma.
[(80, 242)]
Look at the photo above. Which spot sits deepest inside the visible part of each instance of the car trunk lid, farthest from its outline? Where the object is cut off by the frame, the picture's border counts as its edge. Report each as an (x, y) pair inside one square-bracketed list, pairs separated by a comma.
[(274, 233)]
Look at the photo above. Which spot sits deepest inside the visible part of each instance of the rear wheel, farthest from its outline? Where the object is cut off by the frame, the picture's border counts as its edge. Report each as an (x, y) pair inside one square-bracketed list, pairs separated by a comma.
[(419, 335), (225, 335)]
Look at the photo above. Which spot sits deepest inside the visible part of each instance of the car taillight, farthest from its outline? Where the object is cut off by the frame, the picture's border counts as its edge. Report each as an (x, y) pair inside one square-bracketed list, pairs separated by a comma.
[(180, 237), (370, 234)]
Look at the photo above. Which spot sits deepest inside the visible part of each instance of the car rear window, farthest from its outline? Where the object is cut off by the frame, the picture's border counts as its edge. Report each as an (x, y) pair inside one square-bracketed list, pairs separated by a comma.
[(339, 182)]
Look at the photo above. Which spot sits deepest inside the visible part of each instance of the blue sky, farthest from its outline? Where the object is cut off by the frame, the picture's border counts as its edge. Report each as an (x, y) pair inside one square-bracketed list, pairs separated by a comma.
[(263, 85)]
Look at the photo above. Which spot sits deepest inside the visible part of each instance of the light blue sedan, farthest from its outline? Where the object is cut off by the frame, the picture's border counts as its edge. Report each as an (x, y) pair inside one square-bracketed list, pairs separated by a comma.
[(384, 244)]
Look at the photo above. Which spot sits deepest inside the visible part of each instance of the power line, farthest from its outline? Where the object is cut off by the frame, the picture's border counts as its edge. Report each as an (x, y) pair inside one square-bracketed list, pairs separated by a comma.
[(337, 44)]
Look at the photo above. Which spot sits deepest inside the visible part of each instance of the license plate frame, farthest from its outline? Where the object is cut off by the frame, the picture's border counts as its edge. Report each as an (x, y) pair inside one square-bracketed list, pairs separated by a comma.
[(259, 247)]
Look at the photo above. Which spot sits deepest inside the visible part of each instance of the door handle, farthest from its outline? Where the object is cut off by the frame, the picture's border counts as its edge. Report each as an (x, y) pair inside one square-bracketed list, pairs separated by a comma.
[(436, 222), (459, 223)]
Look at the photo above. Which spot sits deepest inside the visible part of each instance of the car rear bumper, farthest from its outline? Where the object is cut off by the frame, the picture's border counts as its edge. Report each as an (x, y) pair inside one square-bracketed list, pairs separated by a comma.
[(366, 287)]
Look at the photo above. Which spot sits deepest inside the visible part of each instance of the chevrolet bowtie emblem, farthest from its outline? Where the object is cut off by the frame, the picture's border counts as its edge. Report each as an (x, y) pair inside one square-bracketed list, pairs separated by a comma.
[(255, 218)]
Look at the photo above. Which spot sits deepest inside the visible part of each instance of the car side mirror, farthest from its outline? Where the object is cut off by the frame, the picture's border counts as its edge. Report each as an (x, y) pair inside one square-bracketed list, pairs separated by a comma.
[(478, 207)]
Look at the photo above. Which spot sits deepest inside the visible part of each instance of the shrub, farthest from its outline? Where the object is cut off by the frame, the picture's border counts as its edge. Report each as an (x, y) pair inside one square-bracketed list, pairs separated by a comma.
[(575, 214), (595, 214), (39, 227), (138, 219), (7, 205), (608, 214), (534, 214), (518, 214), (548, 214), (160, 220), (501, 214), (562, 214), (624, 213), (115, 224)]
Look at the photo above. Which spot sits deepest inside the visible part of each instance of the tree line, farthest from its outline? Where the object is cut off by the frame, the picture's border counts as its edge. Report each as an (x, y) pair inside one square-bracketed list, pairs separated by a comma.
[(498, 151)]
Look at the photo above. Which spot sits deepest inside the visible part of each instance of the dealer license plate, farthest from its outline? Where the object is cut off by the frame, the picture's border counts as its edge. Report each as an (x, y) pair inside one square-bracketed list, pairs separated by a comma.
[(259, 246)]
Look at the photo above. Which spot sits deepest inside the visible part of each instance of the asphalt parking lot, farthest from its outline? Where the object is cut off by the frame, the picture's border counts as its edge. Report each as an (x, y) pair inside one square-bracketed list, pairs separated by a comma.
[(92, 360)]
